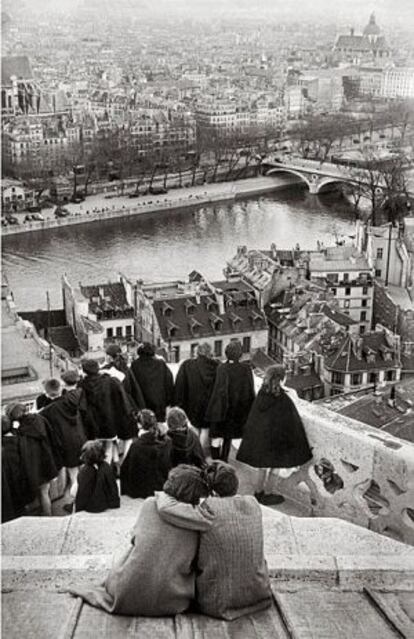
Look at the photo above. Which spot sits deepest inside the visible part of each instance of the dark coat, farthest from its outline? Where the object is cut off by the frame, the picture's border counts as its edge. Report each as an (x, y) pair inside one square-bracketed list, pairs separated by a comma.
[(186, 447), (193, 387), (42, 401), (130, 384), (146, 466), (105, 408), (274, 436), (37, 457), (64, 417), (155, 577), (97, 489), (156, 382), (231, 400), (13, 480)]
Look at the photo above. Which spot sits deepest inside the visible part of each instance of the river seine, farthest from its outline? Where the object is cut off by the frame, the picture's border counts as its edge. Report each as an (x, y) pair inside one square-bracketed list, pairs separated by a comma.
[(157, 247)]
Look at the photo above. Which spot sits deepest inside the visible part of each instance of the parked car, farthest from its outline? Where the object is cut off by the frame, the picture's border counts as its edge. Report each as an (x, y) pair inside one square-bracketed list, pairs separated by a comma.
[(12, 220), (62, 212), (4, 222), (28, 218), (34, 208), (157, 190), (37, 217)]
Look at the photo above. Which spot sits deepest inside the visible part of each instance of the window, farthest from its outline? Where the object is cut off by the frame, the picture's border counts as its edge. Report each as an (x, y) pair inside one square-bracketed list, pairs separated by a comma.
[(389, 376), (372, 378), (377, 272), (356, 379), (337, 378), (333, 291), (346, 277), (347, 291), (346, 304), (379, 254), (193, 349), (128, 331), (365, 290), (361, 330), (218, 348), (364, 303), (119, 331), (109, 332), (246, 344), (332, 277), (363, 316)]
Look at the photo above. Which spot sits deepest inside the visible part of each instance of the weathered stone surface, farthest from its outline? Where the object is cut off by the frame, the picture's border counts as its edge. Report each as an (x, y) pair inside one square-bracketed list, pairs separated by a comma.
[(34, 535), (94, 535), (393, 572)]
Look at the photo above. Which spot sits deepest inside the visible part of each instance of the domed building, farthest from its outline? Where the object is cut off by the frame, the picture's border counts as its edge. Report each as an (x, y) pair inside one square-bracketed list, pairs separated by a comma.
[(371, 45)]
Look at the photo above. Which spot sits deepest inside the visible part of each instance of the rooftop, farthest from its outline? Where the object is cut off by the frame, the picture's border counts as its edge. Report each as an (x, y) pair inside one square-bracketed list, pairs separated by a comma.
[(24, 360), (371, 351), (379, 410)]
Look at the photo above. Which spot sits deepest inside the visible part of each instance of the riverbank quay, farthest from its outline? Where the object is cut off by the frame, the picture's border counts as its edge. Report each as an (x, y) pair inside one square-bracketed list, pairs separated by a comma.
[(98, 208)]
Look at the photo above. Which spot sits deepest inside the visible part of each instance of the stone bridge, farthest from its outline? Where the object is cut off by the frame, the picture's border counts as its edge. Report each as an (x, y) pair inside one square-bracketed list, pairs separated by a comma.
[(315, 174)]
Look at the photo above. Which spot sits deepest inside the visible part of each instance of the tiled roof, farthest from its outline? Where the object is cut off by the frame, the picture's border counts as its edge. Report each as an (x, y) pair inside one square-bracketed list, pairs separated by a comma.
[(354, 42), (17, 65), (184, 318), (344, 357), (113, 298), (338, 317)]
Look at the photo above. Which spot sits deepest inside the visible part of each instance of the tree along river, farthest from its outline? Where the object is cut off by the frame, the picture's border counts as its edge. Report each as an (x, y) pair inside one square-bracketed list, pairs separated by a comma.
[(155, 247)]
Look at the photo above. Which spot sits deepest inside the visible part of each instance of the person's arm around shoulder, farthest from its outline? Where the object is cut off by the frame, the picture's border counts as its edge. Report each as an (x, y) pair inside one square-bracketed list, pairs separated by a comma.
[(184, 515)]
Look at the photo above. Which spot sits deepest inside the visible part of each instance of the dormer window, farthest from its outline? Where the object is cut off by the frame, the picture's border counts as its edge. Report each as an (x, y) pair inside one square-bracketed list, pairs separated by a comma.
[(167, 310), (211, 304), (235, 319), (190, 307), (195, 326), (256, 318), (216, 322), (172, 329)]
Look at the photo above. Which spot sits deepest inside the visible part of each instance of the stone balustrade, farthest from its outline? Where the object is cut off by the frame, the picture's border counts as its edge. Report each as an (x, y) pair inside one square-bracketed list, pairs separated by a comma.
[(358, 473)]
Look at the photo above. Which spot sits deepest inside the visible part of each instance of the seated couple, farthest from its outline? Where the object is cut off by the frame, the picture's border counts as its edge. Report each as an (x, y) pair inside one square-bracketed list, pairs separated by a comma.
[(195, 544)]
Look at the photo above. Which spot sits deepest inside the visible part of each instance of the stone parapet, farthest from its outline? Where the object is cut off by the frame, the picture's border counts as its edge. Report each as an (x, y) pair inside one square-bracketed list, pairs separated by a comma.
[(357, 473)]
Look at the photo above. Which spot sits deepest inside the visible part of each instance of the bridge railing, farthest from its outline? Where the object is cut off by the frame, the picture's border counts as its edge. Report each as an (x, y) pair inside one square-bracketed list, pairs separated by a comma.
[(357, 473)]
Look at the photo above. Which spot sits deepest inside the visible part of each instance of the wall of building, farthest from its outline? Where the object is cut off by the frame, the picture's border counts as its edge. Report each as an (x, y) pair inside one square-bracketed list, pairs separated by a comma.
[(258, 340)]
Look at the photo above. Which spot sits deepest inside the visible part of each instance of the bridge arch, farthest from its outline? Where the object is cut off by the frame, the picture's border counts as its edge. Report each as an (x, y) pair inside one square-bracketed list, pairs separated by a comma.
[(282, 169), (329, 180)]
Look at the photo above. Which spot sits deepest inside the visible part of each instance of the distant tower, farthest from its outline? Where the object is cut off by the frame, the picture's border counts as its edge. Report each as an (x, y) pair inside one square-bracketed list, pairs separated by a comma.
[(372, 30)]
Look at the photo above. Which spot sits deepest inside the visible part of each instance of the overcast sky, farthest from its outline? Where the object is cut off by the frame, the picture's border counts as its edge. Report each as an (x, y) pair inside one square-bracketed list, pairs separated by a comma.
[(340, 11)]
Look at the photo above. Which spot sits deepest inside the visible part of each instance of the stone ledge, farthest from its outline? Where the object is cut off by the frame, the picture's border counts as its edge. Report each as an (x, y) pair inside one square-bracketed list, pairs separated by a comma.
[(58, 572)]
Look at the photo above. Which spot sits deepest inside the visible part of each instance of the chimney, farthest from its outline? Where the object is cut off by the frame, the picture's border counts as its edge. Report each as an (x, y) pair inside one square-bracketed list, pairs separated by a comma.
[(197, 295), (101, 291), (357, 347), (220, 302), (273, 250)]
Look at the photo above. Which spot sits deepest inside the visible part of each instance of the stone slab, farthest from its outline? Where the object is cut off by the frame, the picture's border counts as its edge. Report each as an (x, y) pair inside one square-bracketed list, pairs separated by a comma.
[(36, 615), (318, 536), (331, 614), (303, 569), (96, 535), (34, 535), (393, 572)]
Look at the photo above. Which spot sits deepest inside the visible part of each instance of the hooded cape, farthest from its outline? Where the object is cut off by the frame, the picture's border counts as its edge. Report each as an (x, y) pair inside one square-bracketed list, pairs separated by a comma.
[(14, 490), (231, 400), (156, 382), (186, 447), (146, 466), (105, 408), (274, 436), (64, 417), (193, 387), (97, 489), (37, 457)]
